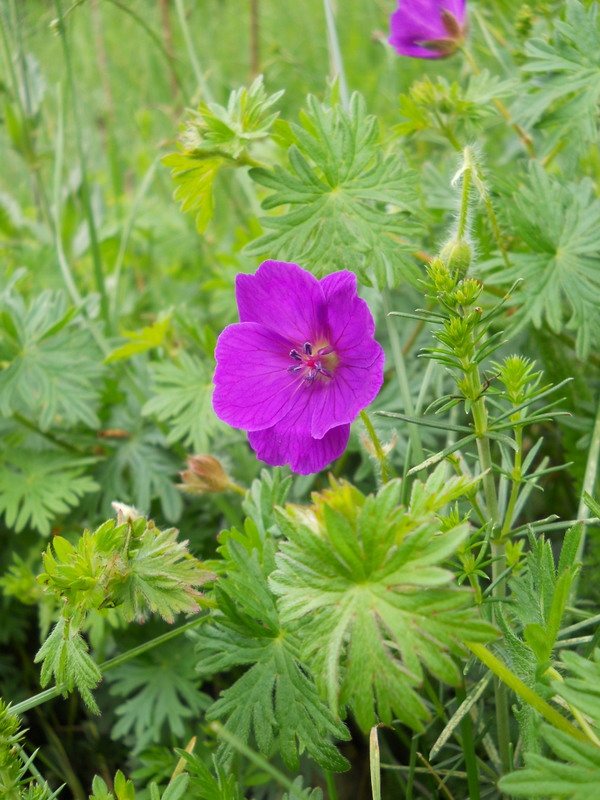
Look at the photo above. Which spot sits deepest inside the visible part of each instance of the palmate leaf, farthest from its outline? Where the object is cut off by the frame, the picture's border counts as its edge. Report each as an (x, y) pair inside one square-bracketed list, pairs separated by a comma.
[(565, 90), (361, 578), (559, 226), (160, 690), (37, 486), (275, 700), (184, 400), (351, 207), (51, 368)]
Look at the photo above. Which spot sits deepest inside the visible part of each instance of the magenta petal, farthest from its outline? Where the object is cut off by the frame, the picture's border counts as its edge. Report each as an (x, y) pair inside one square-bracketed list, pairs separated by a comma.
[(284, 297), (253, 388), (418, 21), (280, 445), (359, 374)]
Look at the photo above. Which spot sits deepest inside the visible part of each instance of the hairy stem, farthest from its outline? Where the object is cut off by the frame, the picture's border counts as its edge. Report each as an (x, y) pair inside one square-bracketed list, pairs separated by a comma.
[(111, 663)]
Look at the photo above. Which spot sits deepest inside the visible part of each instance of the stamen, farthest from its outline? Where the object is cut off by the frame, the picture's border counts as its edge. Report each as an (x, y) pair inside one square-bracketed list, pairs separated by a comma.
[(325, 351), (307, 348), (295, 355), (294, 368)]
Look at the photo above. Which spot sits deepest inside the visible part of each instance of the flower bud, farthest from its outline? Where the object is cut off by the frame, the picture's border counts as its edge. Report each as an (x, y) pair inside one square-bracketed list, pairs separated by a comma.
[(125, 513), (457, 256), (205, 474)]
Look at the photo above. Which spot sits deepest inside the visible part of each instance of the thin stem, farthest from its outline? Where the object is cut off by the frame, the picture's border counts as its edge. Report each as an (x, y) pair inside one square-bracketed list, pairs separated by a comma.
[(111, 663), (254, 39), (468, 746), (202, 85), (331, 787), (85, 188), (464, 203), (590, 476), (127, 229), (223, 733), (335, 54), (377, 445), (524, 692), (27, 423), (516, 483), (523, 135), (417, 453)]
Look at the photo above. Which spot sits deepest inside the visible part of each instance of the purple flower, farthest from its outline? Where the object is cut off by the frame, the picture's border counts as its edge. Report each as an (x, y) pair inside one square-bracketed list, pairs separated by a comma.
[(299, 366), (428, 28)]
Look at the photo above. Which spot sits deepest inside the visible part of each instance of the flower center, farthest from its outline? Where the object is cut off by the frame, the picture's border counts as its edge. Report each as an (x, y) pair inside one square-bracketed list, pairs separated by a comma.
[(312, 362)]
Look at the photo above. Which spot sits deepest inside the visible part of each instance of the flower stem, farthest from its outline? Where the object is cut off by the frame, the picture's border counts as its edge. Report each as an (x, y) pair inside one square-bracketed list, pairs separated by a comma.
[(335, 53), (377, 445), (111, 663)]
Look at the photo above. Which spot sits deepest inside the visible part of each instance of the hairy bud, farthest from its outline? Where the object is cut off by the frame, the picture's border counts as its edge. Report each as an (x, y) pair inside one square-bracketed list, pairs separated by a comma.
[(457, 256), (205, 474)]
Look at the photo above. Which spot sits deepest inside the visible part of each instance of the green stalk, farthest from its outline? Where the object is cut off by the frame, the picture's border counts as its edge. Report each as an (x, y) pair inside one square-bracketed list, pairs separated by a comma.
[(381, 457), (501, 671), (590, 476), (468, 744), (202, 86), (85, 188), (466, 189), (223, 733), (111, 663), (335, 53), (417, 454), (331, 787)]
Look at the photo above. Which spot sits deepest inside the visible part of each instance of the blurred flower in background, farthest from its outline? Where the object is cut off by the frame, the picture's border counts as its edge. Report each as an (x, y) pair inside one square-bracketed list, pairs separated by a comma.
[(428, 28)]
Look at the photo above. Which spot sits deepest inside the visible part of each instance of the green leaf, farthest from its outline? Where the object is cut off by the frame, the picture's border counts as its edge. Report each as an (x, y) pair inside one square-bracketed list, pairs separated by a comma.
[(139, 468), (150, 337), (160, 690), (159, 575), (217, 136), (361, 578), (351, 207), (36, 486), (50, 369), (275, 700), (184, 399), (565, 90), (542, 777), (205, 785), (559, 229), (65, 658), (193, 175)]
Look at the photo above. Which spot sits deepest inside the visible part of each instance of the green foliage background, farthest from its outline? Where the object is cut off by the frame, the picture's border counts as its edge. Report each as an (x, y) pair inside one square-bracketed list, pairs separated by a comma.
[(111, 300)]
